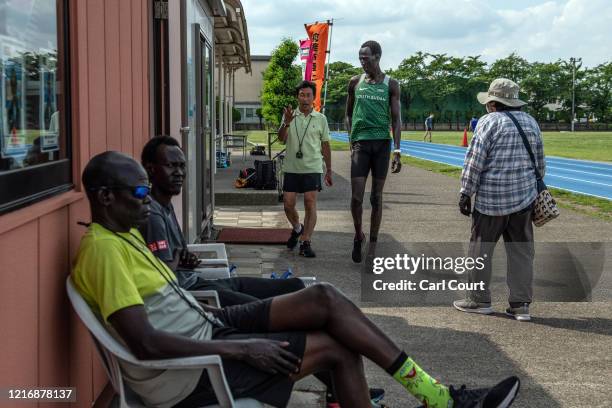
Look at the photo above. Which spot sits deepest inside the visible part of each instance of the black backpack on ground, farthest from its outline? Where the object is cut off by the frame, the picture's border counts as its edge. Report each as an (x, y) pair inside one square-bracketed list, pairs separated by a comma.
[(265, 175)]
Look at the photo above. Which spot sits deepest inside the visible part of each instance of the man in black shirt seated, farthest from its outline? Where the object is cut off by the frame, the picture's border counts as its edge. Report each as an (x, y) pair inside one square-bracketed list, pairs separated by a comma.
[(164, 162)]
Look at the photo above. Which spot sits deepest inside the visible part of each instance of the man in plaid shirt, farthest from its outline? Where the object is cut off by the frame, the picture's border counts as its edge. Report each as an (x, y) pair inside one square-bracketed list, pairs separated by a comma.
[(499, 173)]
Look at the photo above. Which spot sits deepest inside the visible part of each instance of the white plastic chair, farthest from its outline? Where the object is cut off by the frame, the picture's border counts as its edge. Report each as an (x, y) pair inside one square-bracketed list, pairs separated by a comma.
[(111, 351), (212, 268)]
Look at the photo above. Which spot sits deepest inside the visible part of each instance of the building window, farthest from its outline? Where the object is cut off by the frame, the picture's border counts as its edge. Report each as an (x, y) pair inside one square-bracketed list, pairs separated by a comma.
[(250, 112), (35, 143)]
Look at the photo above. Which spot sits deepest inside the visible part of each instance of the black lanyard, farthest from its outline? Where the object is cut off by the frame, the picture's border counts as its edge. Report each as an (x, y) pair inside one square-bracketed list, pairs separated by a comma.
[(300, 141), (173, 284)]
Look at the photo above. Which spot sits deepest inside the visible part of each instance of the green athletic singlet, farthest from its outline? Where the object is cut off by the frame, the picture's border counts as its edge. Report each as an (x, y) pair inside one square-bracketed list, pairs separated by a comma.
[(371, 112)]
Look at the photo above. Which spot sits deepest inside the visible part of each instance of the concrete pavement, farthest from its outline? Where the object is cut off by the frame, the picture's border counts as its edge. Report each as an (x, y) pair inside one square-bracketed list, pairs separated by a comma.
[(563, 356)]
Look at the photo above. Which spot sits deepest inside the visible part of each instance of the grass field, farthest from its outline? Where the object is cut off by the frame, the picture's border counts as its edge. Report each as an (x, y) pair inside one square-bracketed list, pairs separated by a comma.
[(592, 206), (578, 145)]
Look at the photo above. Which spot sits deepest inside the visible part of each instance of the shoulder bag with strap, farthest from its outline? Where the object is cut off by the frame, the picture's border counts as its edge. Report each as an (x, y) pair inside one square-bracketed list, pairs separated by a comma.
[(545, 207)]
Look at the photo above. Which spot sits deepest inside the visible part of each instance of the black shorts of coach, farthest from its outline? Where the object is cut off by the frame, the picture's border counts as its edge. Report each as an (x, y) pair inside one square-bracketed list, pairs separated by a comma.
[(301, 182)]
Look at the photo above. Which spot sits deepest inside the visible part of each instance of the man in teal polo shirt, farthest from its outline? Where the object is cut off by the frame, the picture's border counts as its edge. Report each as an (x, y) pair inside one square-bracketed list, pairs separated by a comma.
[(306, 135)]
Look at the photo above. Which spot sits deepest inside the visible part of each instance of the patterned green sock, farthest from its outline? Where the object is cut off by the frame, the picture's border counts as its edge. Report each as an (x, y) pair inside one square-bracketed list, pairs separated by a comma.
[(424, 388)]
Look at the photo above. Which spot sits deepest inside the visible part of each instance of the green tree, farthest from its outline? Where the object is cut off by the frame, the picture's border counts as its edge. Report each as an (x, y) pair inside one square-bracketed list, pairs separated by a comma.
[(564, 89), (410, 74), (598, 86), (280, 79), (236, 116), (512, 67), (438, 84), (340, 74), (541, 86)]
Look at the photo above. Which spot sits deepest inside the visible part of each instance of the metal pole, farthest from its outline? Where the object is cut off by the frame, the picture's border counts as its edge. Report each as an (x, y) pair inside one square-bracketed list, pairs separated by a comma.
[(331, 30), (573, 61)]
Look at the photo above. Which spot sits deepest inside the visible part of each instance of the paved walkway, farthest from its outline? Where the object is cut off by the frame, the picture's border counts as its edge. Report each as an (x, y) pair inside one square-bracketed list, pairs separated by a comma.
[(563, 356)]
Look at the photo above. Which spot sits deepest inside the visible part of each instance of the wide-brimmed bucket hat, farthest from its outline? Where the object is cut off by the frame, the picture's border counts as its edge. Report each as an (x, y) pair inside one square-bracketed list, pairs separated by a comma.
[(502, 90)]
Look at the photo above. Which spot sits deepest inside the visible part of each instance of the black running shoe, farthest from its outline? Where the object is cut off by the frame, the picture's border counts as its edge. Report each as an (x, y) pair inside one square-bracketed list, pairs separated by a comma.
[(499, 396), (306, 251), (356, 255), (376, 395), (293, 239)]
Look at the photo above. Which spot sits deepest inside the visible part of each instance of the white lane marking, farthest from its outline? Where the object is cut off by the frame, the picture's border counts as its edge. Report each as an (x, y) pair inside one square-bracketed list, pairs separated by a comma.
[(578, 171), (581, 180)]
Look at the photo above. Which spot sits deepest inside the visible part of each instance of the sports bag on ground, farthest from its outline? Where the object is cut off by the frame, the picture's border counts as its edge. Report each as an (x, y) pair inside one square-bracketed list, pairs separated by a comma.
[(265, 175)]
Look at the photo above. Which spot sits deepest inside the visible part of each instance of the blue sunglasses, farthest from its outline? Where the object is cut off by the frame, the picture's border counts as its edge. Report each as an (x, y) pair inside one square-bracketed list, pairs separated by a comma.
[(139, 192)]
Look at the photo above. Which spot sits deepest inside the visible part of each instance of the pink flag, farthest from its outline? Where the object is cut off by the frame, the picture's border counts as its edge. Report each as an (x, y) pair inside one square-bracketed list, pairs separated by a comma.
[(306, 58)]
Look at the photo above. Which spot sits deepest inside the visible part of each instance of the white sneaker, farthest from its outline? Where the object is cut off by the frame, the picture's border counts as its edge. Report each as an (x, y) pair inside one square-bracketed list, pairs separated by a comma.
[(470, 306)]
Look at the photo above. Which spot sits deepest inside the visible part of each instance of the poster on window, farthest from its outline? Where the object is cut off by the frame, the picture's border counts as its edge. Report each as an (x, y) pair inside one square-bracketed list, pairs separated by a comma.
[(13, 113)]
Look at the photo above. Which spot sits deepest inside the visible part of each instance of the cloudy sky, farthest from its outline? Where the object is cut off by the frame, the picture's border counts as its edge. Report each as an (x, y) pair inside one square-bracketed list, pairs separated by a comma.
[(537, 30)]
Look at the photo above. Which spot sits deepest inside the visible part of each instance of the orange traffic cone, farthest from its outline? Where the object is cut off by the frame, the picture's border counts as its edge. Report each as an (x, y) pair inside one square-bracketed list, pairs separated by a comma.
[(464, 143)]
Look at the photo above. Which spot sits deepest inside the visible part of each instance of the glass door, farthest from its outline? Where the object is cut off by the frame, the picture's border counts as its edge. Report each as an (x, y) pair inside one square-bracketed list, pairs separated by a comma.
[(205, 128)]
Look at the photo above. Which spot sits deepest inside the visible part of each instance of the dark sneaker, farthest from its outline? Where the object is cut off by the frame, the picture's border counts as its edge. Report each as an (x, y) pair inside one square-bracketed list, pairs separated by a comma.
[(293, 239), (500, 396), (520, 313), (306, 251), (376, 395), (357, 255), (470, 306)]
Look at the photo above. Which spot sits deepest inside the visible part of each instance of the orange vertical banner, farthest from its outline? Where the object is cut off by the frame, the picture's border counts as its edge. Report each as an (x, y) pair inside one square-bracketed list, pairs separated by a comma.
[(318, 35)]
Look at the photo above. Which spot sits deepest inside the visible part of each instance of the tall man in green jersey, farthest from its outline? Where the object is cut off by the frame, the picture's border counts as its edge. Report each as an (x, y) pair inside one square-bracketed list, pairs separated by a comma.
[(373, 104)]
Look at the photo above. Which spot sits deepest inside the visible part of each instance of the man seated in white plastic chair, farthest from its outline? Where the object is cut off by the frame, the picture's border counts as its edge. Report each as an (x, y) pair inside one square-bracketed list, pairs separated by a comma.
[(164, 162), (265, 345)]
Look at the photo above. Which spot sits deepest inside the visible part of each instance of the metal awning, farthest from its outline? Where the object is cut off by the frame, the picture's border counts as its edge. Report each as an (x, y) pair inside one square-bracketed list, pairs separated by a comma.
[(232, 37)]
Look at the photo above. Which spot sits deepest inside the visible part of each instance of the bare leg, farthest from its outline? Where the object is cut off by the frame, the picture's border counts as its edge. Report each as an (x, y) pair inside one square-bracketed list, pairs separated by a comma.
[(358, 190), (289, 200), (330, 311), (323, 353), (376, 198), (310, 219)]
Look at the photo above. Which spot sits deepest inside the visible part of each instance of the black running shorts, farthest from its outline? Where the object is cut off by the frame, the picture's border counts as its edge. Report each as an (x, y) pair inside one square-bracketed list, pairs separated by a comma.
[(302, 182), (249, 321), (369, 155)]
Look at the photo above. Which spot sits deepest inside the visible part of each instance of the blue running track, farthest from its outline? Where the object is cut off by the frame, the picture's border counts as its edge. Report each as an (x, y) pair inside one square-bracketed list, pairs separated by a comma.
[(578, 176)]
